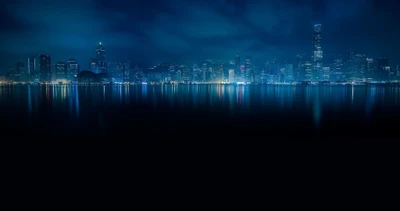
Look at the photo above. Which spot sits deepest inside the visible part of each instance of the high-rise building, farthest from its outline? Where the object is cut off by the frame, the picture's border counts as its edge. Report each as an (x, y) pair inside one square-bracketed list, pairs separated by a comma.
[(178, 76), (237, 64), (72, 69), (61, 70), (218, 72), (289, 72), (101, 58), (370, 68), (326, 73), (361, 61), (197, 73), (249, 69), (32, 73), (298, 68), (317, 52), (186, 75), (338, 73), (45, 68), (231, 76), (242, 73), (128, 72), (308, 71), (350, 65), (93, 65)]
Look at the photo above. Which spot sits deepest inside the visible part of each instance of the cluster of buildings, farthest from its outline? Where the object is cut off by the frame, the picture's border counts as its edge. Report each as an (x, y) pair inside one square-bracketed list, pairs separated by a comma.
[(346, 67)]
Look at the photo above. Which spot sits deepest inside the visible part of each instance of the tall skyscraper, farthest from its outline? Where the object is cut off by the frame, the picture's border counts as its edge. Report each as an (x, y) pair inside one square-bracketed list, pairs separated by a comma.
[(237, 64), (317, 52), (32, 73), (72, 69), (45, 68), (101, 58)]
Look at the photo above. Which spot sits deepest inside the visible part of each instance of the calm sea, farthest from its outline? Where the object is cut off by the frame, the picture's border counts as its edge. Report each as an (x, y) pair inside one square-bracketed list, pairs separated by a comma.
[(258, 112)]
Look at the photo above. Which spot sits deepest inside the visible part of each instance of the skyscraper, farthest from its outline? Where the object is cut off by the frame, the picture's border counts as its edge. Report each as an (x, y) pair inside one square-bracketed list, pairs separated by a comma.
[(186, 75), (101, 58), (308, 71), (45, 68), (371, 69), (237, 64), (349, 64), (32, 72), (231, 76), (248, 69), (361, 66), (338, 73), (317, 52)]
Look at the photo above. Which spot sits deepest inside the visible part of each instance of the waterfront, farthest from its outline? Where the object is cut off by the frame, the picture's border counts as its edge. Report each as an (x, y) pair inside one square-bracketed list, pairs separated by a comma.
[(190, 111)]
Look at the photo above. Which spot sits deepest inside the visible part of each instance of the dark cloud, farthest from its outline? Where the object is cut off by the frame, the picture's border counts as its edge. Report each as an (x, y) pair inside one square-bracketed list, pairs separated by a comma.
[(149, 30)]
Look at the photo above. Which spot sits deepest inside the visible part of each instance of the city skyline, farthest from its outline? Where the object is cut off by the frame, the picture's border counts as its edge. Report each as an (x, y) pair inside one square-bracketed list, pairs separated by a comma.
[(160, 31)]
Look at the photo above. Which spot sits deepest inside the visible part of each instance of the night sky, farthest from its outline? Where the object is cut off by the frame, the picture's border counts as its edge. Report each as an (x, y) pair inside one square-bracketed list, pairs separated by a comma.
[(193, 30)]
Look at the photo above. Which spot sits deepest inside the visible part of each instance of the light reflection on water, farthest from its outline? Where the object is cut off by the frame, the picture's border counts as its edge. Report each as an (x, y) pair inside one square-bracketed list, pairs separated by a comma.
[(309, 100)]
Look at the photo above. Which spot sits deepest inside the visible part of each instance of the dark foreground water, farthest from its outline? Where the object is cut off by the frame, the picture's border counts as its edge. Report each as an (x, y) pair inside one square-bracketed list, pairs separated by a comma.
[(194, 111)]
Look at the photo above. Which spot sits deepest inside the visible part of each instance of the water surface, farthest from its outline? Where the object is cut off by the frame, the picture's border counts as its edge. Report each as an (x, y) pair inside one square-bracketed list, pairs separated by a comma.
[(190, 111)]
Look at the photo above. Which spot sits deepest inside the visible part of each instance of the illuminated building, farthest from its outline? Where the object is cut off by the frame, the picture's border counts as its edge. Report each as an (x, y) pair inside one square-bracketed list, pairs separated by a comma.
[(248, 69), (370, 68), (349, 63), (101, 59), (308, 71), (61, 71), (218, 75), (231, 76), (338, 73), (93, 66), (289, 72), (45, 68), (361, 67), (186, 75), (237, 64), (72, 69), (326, 73), (197, 74), (128, 75), (178, 76), (317, 52)]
